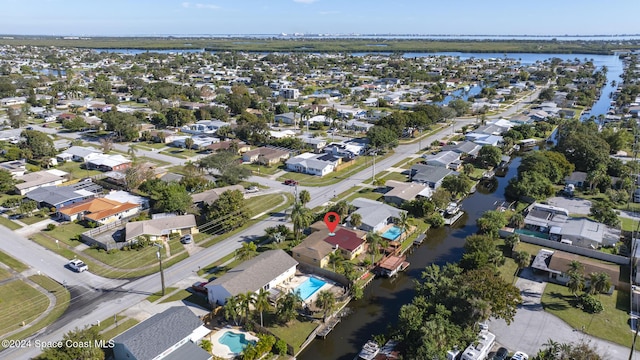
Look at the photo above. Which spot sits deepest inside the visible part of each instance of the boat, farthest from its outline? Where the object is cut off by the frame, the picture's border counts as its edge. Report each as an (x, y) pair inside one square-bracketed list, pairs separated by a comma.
[(369, 351), (473, 189), (452, 209), (489, 174), (467, 88)]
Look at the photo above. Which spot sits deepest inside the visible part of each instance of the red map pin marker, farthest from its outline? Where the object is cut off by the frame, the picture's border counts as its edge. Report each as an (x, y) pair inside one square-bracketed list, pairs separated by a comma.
[(332, 224)]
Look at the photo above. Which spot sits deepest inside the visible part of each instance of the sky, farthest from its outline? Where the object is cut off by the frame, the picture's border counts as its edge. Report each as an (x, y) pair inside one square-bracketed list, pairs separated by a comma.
[(426, 17)]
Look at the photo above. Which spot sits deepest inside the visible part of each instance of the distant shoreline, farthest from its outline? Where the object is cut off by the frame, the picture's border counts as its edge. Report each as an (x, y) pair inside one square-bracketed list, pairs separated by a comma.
[(331, 45)]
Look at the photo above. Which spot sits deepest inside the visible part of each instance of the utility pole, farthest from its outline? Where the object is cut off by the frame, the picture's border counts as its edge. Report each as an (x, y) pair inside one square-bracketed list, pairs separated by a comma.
[(159, 255), (373, 171)]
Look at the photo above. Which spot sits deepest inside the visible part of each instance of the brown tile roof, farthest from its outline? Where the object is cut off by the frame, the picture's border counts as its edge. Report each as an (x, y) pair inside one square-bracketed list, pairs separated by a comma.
[(98, 208), (560, 261)]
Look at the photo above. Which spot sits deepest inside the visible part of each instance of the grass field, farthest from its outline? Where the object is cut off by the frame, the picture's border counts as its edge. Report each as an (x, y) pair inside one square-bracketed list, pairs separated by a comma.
[(364, 193), (158, 294), (294, 333), (12, 262), (263, 170), (74, 169), (122, 327), (611, 324), (4, 274), (9, 224), (20, 303), (259, 204)]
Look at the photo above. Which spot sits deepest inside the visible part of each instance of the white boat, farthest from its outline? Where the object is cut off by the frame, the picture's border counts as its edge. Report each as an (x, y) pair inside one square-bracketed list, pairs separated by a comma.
[(369, 351), (452, 209), (467, 88)]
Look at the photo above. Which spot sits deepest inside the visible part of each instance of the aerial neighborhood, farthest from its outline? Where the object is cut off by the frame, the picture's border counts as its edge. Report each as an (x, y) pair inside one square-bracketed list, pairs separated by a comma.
[(238, 204)]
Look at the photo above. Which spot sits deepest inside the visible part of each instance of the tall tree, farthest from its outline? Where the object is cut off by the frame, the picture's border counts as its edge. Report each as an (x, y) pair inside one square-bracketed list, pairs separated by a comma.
[(39, 143), (326, 301), (304, 196), (225, 163), (228, 212), (88, 335), (172, 197), (246, 251), (356, 220), (288, 306), (261, 303), (599, 282), (301, 218)]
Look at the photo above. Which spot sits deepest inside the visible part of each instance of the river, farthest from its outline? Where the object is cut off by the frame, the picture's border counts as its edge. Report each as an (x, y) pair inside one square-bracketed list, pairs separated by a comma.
[(378, 309)]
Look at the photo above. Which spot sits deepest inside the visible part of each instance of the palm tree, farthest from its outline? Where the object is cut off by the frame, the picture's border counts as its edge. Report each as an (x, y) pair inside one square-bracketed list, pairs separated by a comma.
[(261, 303), (342, 208), (575, 284), (517, 221), (575, 267), (468, 169), (335, 258), (326, 301), (522, 259), (304, 197), (511, 241), (301, 218), (404, 222), (374, 241), (244, 304), (132, 152), (231, 309), (356, 220), (288, 306), (600, 282), (247, 251)]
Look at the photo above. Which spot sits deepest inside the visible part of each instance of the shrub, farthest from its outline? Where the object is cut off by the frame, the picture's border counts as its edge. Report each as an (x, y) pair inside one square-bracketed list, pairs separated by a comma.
[(590, 304), (50, 227), (281, 347)]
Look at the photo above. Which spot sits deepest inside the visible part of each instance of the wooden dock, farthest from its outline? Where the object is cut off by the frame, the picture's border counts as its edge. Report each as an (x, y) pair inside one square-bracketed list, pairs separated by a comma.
[(454, 218)]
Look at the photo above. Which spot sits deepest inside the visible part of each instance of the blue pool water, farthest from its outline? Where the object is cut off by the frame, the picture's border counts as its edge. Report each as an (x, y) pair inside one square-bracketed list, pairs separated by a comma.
[(235, 342), (309, 287), (393, 233)]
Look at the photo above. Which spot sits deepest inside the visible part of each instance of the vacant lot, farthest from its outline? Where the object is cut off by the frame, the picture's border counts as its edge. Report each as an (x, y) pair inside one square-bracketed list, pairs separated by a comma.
[(20, 302)]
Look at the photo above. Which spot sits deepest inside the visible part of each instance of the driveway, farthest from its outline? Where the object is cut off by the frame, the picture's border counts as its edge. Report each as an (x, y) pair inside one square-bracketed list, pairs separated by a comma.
[(574, 205), (532, 326)]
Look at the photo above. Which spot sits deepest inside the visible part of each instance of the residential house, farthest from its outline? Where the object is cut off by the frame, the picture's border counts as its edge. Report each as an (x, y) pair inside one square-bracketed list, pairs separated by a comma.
[(313, 164), (161, 227), (429, 174), (445, 159), (350, 243), (357, 125), (577, 179), (465, 148), (204, 127), (555, 224), (100, 211), (108, 162), (288, 118), (282, 134), (313, 250), (375, 215), (78, 153), (317, 143), (200, 142), (55, 197), (265, 271), (16, 168), (348, 149), (405, 191), (266, 156), (171, 334), (556, 265), (208, 197), (289, 94), (34, 180), (241, 146)]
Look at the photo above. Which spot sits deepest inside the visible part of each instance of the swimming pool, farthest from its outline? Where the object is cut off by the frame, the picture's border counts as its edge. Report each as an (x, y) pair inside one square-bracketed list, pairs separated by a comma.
[(309, 287), (393, 233), (236, 342)]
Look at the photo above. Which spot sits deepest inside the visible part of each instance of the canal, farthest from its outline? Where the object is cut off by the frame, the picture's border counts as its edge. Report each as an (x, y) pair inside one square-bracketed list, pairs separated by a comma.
[(378, 309)]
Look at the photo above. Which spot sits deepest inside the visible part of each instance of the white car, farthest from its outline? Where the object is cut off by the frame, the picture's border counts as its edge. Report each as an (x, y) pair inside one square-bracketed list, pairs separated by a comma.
[(519, 355), (78, 266), (252, 189)]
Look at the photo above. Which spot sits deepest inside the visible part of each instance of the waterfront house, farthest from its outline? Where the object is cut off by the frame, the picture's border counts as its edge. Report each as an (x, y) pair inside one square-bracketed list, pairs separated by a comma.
[(375, 215), (171, 334), (265, 271), (405, 191), (429, 174), (465, 148), (316, 248), (577, 179), (444, 159), (556, 265)]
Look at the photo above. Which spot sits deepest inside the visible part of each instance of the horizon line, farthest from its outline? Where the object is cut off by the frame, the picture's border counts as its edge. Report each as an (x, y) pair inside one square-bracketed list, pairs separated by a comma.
[(297, 34)]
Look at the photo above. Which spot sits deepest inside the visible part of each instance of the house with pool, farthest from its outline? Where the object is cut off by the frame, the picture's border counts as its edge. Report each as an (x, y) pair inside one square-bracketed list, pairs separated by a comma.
[(316, 249), (376, 216), (265, 271), (171, 334)]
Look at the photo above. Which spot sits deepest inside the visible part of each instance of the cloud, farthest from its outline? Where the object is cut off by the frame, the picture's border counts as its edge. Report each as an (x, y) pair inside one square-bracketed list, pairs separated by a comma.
[(331, 12), (189, 5), (305, 1)]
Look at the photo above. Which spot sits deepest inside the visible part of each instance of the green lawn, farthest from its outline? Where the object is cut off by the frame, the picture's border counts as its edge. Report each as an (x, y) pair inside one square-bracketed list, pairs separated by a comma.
[(259, 204), (13, 297), (364, 193), (362, 163), (610, 325), (628, 224), (30, 220), (4, 274), (9, 224), (263, 170), (180, 153), (153, 161), (74, 169), (209, 269), (126, 259), (153, 145), (122, 327), (294, 333), (12, 262), (67, 232), (110, 321), (185, 295), (158, 294)]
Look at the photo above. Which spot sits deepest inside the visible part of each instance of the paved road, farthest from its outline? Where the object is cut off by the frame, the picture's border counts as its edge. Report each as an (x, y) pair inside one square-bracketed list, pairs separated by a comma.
[(532, 326), (136, 291)]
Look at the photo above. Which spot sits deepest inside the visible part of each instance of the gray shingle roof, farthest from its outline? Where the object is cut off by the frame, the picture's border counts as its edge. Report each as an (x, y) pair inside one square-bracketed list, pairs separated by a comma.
[(429, 173), (160, 226), (374, 212), (158, 333), (253, 274), (189, 351)]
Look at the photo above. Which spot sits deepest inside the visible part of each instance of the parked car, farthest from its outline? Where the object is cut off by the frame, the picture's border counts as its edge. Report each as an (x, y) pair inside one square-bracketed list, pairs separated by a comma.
[(16, 216), (519, 355), (290, 182), (77, 265), (501, 354), (186, 239), (252, 189), (199, 287)]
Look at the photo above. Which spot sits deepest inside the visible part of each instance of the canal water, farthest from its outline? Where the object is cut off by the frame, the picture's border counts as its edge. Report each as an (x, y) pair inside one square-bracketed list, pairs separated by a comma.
[(378, 309)]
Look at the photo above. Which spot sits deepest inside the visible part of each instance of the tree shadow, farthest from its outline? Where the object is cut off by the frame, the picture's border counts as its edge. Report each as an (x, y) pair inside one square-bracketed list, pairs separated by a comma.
[(560, 302), (623, 299)]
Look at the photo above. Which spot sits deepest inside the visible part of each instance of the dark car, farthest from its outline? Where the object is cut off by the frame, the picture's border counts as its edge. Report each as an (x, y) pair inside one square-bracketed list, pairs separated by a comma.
[(501, 354), (290, 182), (199, 287)]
